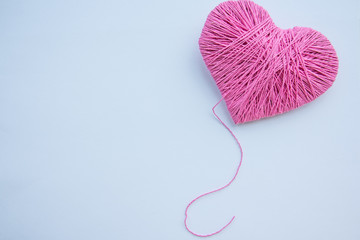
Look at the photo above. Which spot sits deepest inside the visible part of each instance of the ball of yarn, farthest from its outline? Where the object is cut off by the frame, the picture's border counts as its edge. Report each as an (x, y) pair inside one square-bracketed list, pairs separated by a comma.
[(260, 69)]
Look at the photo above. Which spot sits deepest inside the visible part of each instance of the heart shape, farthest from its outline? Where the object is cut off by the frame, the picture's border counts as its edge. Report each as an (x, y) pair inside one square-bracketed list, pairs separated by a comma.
[(260, 69)]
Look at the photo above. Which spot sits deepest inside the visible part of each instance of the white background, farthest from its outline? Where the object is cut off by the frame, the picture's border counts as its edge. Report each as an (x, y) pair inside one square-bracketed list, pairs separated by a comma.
[(106, 130)]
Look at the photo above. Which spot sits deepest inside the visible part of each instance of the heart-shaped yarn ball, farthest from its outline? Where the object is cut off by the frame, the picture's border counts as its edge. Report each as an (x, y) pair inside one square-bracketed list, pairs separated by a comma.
[(260, 69)]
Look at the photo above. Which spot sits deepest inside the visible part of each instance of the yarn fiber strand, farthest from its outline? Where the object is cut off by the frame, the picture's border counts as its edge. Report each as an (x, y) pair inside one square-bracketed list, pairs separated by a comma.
[(202, 195)]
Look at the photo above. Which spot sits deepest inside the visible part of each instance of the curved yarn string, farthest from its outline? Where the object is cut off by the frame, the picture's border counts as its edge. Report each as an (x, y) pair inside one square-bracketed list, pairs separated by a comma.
[(216, 190)]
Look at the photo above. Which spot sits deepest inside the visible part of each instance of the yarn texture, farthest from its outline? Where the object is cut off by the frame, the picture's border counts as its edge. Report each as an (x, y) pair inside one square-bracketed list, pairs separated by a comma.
[(260, 69)]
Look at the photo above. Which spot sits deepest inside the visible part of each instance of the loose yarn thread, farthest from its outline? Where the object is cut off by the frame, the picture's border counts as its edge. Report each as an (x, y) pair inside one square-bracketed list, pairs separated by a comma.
[(260, 69), (218, 189)]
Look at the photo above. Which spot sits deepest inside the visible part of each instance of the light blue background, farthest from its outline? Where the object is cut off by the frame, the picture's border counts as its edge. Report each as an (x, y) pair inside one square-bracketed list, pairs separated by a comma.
[(106, 130)]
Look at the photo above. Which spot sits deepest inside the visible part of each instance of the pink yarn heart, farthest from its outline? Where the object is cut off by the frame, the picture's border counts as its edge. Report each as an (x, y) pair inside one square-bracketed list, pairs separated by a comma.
[(260, 69)]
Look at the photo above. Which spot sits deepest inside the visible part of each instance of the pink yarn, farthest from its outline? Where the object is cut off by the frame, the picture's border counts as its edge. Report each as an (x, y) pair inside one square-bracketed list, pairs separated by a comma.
[(260, 69), (202, 195)]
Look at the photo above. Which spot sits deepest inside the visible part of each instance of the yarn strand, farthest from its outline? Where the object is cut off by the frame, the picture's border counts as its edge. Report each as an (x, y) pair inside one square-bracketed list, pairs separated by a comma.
[(218, 189)]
